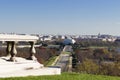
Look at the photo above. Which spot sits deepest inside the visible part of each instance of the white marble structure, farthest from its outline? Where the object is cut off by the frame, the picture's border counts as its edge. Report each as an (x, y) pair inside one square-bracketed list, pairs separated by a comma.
[(19, 67), (12, 39), (24, 67)]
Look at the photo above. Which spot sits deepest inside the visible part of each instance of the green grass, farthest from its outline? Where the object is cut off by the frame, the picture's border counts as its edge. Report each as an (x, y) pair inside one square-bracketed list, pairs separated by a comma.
[(66, 52), (50, 61), (66, 76), (96, 47)]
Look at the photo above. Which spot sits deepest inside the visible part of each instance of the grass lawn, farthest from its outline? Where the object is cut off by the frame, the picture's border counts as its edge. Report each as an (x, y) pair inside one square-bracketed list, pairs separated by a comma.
[(50, 61), (66, 52), (96, 47), (66, 76)]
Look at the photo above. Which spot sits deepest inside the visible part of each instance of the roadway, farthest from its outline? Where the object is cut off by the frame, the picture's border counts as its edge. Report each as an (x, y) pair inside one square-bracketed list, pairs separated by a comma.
[(63, 61)]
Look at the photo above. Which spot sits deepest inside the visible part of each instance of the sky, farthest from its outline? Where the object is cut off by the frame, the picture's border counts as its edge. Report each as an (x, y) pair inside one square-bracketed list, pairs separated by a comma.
[(84, 17)]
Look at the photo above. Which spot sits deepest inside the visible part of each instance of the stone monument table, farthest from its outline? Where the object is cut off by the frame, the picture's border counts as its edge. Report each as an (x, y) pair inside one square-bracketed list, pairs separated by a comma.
[(15, 66), (12, 39)]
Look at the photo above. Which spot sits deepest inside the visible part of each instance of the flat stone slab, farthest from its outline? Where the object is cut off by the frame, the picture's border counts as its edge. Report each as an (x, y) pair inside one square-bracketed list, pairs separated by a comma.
[(24, 67), (32, 72), (14, 37)]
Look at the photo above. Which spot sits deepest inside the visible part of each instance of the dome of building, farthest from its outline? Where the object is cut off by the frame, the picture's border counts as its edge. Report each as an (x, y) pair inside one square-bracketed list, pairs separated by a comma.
[(68, 41)]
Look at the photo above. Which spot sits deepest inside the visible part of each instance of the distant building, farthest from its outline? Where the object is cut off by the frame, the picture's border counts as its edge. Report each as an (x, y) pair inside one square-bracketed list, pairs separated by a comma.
[(108, 38), (46, 38), (68, 41)]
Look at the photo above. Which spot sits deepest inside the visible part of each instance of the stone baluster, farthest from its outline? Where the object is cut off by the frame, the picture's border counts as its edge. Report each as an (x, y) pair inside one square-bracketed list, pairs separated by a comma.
[(32, 51), (13, 51), (8, 49)]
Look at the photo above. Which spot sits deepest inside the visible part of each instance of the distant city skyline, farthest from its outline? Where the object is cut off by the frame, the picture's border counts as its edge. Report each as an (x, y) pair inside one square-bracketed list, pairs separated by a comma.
[(84, 17)]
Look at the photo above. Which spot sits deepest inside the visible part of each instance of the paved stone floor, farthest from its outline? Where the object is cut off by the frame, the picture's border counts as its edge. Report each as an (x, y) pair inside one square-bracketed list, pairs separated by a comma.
[(23, 67)]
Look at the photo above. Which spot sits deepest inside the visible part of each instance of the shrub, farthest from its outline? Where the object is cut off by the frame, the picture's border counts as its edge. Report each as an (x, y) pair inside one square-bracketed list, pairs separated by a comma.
[(88, 66), (112, 68)]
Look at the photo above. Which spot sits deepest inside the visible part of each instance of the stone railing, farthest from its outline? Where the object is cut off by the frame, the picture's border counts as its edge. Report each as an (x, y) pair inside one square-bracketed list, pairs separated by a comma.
[(12, 39)]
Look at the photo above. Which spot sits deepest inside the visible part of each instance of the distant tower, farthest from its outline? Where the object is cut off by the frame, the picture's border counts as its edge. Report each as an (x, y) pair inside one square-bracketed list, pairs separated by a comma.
[(99, 35)]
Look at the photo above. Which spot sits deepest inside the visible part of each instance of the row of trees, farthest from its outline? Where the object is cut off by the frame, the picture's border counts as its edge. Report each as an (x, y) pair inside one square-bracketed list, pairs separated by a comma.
[(89, 66), (97, 61), (88, 42)]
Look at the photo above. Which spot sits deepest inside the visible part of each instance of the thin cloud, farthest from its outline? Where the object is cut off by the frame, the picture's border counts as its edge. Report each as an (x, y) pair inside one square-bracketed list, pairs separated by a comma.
[(118, 23)]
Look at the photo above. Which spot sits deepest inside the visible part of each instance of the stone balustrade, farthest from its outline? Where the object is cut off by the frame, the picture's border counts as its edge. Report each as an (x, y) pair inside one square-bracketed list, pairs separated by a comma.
[(12, 39)]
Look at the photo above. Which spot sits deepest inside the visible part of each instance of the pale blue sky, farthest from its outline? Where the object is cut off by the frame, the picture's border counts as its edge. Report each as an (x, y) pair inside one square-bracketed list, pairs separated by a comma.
[(60, 16)]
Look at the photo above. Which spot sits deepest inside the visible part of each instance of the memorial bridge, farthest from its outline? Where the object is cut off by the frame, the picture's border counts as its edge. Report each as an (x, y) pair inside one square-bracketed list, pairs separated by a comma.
[(12, 39)]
